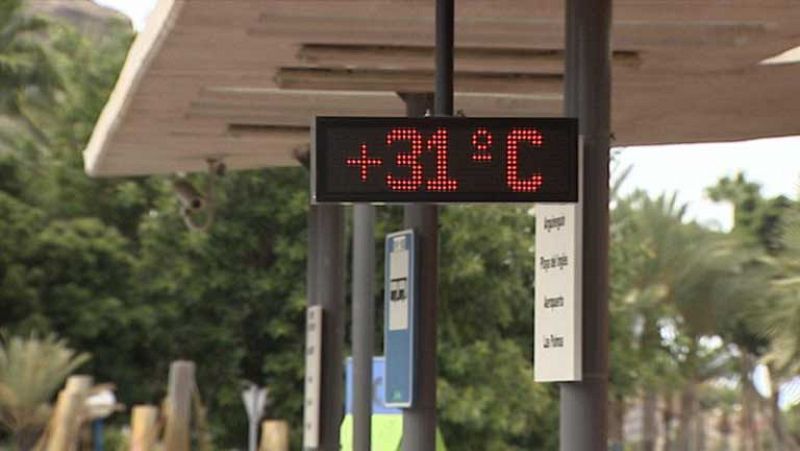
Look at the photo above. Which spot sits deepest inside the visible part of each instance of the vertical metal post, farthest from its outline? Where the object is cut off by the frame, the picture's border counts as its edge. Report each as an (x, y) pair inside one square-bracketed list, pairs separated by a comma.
[(363, 323), (326, 288), (445, 26), (252, 436), (419, 422), (584, 404)]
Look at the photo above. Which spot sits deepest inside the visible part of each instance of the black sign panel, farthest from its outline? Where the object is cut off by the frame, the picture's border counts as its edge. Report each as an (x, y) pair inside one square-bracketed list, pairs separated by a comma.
[(438, 160)]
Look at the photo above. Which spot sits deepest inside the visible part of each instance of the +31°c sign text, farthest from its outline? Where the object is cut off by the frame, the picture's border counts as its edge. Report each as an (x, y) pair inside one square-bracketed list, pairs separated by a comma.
[(445, 159)]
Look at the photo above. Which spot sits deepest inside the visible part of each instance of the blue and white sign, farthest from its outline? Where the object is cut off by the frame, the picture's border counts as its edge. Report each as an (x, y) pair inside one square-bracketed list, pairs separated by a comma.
[(378, 384), (400, 309)]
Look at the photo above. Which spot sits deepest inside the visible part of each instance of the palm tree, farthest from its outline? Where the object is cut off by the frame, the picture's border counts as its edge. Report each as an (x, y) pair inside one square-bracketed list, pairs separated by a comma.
[(31, 370), (783, 321), (682, 277), (652, 231), (709, 287), (761, 326), (785, 324)]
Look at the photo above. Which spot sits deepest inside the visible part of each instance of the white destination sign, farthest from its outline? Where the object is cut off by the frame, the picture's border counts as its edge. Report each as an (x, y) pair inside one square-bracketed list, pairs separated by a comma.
[(311, 407), (558, 312)]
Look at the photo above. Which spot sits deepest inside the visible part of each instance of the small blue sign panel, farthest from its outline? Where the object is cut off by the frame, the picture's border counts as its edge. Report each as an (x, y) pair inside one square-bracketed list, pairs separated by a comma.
[(400, 310), (378, 383)]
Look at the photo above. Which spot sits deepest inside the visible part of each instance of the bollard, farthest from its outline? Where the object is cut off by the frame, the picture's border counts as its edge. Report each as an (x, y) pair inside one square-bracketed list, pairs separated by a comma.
[(178, 406), (274, 436), (66, 420), (144, 428)]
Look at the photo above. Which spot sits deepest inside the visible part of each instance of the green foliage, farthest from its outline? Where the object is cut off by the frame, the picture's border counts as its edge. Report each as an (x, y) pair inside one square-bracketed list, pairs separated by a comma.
[(763, 236), (18, 290), (488, 400), (109, 265), (486, 281), (232, 300), (763, 319), (648, 256), (756, 220), (677, 287), (783, 320), (27, 73)]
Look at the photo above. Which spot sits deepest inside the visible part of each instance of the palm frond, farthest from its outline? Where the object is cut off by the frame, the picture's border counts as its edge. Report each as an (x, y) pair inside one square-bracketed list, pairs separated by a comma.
[(31, 371)]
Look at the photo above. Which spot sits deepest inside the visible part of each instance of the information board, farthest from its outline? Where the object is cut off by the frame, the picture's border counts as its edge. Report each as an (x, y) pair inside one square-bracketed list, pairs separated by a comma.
[(400, 310), (559, 281), (378, 384), (445, 159), (311, 407)]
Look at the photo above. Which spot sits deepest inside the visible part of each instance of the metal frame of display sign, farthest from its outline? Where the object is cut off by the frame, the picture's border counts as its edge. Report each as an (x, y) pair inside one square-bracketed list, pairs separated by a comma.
[(444, 159)]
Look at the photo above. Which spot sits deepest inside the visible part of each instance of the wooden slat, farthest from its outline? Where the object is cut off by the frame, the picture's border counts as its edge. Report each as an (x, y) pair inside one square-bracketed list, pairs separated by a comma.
[(414, 80), (405, 57)]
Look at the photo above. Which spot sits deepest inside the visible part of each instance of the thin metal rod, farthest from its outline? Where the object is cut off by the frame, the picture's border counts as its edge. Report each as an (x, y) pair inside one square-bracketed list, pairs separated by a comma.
[(252, 439), (363, 323), (445, 25), (419, 421), (584, 406), (326, 287)]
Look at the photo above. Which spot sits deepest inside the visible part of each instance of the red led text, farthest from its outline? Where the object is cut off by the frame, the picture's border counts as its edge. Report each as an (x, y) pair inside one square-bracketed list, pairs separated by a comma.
[(410, 148)]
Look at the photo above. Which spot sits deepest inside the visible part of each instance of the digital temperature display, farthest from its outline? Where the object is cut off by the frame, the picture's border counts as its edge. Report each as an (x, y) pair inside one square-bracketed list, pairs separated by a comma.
[(439, 160)]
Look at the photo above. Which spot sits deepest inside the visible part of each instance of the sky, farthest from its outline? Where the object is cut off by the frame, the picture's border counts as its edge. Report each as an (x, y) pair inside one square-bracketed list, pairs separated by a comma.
[(688, 169), (683, 169), (137, 10)]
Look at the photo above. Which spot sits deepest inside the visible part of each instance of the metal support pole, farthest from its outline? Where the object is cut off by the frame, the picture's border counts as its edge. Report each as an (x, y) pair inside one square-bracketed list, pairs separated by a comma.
[(326, 277), (445, 25), (584, 404), (419, 422), (252, 436), (363, 323)]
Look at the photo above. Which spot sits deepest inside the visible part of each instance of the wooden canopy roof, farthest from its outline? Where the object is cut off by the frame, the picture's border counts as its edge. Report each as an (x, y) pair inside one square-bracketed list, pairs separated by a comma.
[(240, 80)]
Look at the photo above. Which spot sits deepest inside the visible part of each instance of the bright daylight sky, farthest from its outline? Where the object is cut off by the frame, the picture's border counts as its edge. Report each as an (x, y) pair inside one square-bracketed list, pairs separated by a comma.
[(689, 169), (137, 10)]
